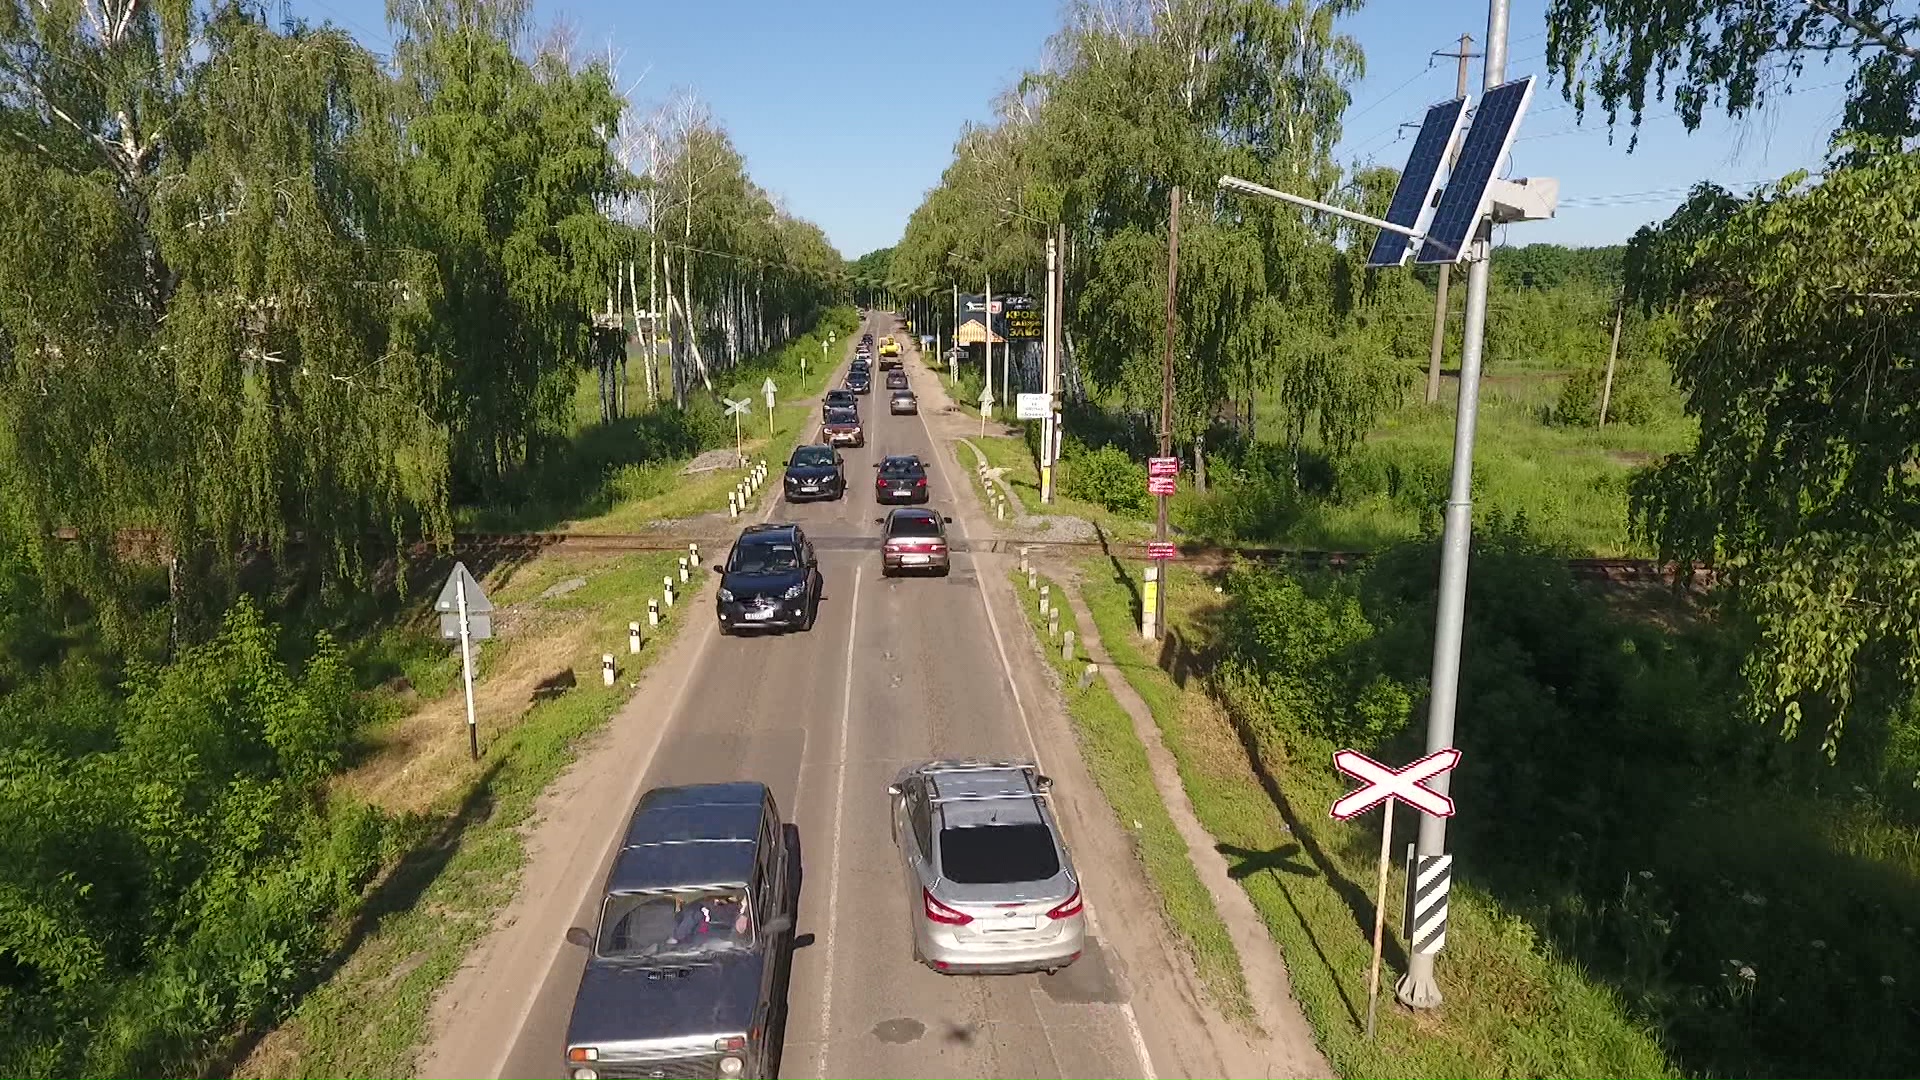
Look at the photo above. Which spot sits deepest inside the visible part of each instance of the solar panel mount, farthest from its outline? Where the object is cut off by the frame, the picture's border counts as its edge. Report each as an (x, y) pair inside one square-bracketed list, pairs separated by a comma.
[(1414, 193), (1464, 202)]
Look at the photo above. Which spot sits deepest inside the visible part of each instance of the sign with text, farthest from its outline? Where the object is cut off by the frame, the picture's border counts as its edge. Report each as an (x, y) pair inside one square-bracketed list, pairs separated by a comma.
[(1161, 551), (1163, 466), (1159, 485), (1032, 406), (1015, 318)]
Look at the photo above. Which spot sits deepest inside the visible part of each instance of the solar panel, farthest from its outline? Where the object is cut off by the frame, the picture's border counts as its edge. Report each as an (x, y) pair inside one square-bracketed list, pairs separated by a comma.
[(1417, 181), (1464, 202)]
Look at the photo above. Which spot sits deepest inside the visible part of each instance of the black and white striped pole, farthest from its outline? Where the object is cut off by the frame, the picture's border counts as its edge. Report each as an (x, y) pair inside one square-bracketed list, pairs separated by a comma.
[(1424, 918)]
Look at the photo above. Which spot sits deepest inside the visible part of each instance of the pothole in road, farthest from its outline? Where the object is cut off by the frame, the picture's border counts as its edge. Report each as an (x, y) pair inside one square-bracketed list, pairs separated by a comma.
[(899, 1030)]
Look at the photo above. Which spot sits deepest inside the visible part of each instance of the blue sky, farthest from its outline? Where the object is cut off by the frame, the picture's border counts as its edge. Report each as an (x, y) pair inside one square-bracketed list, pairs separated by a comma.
[(848, 109)]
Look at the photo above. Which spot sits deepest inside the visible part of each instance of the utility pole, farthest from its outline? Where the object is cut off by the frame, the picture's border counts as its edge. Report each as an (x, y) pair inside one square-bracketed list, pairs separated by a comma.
[(1047, 382), (1158, 567), (953, 368), (1613, 353), (1446, 269), (1417, 988), (986, 320)]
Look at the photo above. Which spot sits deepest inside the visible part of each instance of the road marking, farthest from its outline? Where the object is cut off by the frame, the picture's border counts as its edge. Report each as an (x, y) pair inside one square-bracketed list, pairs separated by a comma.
[(839, 816), (1134, 1034)]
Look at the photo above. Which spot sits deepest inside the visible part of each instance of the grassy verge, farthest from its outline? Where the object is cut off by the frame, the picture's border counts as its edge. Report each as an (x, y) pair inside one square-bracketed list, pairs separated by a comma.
[(370, 1017), (1119, 765), (1512, 1008)]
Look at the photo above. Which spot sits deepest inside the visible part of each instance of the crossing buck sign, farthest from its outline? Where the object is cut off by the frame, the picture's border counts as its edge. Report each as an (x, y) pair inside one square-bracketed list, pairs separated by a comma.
[(1382, 783)]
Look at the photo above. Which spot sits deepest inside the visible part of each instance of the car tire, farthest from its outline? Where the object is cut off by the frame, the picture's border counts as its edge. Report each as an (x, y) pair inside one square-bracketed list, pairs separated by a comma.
[(813, 612), (725, 630), (947, 569)]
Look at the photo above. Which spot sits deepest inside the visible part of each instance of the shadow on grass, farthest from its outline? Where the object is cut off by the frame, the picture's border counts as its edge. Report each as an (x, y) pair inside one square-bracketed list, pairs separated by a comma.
[(396, 893)]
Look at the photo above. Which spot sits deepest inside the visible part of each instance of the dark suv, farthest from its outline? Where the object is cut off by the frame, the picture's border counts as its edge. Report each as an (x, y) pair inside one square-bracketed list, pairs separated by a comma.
[(838, 399), (695, 940), (815, 472), (770, 579)]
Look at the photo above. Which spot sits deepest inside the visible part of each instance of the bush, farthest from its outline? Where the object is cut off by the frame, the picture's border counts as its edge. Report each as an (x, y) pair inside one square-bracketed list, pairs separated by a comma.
[(1106, 477), (1579, 404)]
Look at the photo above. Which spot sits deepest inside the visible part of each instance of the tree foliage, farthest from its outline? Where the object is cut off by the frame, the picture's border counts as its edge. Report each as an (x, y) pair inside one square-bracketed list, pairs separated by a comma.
[(1734, 54), (1798, 321)]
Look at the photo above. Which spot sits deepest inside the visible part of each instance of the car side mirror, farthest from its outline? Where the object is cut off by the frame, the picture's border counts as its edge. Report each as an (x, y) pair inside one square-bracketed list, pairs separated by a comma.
[(876, 464), (779, 924), (838, 460), (948, 520), (578, 936), (879, 521), (1043, 782), (718, 569), (893, 789)]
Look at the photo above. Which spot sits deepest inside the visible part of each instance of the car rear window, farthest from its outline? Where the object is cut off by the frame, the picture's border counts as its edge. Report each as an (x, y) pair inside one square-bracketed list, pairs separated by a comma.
[(997, 854), (842, 416), (896, 467), (915, 526)]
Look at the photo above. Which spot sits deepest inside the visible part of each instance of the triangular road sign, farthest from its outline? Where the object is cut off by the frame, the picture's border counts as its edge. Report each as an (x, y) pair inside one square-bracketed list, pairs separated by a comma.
[(477, 601)]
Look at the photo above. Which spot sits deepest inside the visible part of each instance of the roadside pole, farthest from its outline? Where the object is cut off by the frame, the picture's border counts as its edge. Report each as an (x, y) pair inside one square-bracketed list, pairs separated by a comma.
[(953, 369), (1418, 988), (1046, 386), (1156, 591), (986, 319), (466, 667)]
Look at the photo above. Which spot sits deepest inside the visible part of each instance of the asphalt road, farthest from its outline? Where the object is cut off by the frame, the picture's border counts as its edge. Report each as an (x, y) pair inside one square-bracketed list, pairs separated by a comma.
[(894, 670)]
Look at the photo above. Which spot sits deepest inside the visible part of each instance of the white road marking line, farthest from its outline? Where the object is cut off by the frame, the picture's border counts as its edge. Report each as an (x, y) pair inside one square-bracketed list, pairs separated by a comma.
[(592, 882), (1134, 1034), (839, 816)]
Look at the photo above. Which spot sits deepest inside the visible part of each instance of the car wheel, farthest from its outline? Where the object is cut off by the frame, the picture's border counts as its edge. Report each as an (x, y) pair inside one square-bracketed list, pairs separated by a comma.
[(725, 630), (945, 570), (813, 612)]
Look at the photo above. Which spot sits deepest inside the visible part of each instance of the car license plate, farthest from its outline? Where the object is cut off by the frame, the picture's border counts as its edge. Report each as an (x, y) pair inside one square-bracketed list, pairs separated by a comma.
[(809, 487), (914, 559), (903, 491), (758, 616), (1011, 923)]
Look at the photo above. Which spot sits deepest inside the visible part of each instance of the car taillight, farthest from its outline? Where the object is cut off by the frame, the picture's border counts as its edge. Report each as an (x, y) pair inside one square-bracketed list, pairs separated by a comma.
[(941, 913), (1068, 908), (922, 482), (882, 482)]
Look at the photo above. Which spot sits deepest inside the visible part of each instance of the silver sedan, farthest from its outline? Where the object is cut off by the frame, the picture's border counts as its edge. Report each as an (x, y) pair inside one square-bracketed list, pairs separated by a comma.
[(992, 889)]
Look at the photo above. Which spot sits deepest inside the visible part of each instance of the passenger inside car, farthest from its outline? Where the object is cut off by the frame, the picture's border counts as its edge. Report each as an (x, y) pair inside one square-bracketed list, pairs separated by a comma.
[(710, 915)]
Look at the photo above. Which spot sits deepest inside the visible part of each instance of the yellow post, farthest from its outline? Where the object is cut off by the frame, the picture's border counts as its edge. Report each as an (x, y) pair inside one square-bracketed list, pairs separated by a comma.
[(1149, 607)]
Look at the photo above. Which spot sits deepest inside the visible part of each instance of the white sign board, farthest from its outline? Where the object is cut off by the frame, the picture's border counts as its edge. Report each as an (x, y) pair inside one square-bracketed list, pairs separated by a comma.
[(986, 398), (1033, 406), (736, 408)]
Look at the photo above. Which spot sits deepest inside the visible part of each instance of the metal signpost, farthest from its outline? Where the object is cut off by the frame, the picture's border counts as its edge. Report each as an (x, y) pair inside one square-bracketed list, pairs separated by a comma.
[(737, 409), (466, 616), (1381, 784), (768, 389)]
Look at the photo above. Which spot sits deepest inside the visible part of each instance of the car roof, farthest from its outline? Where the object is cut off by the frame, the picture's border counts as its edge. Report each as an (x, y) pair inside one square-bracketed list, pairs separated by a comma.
[(983, 793), (767, 534), (693, 825), (913, 512), (903, 459), (729, 793), (674, 866)]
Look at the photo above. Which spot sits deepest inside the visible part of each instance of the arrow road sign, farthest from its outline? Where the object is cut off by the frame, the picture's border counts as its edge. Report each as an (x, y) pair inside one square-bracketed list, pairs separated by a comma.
[(768, 389), (1383, 783), (736, 408), (986, 398)]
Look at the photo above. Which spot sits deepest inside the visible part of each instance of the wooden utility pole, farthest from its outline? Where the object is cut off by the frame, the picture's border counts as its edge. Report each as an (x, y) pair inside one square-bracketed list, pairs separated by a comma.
[(1446, 269), (1166, 402), (1613, 353)]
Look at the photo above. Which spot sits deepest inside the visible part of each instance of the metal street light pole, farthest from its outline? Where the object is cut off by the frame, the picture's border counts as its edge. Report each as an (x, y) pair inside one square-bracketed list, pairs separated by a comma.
[(1047, 385), (1166, 406), (1418, 988)]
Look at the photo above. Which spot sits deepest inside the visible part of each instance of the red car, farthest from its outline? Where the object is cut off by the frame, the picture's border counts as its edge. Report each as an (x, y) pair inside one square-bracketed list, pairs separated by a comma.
[(914, 539)]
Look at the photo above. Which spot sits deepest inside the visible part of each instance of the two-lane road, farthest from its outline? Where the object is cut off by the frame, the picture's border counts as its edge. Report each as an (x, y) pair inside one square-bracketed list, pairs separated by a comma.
[(894, 670)]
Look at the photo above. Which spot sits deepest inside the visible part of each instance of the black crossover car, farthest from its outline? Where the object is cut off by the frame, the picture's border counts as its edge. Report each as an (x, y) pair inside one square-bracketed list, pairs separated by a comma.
[(859, 382), (770, 580), (815, 472), (902, 479), (694, 942), (841, 398)]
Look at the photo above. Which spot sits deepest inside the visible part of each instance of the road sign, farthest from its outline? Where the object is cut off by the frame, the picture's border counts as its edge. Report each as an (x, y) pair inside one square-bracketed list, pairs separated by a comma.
[(736, 408), (465, 610), (986, 399), (768, 389), (1382, 783), (1159, 485), (993, 308), (1032, 406), (1161, 551), (1163, 466)]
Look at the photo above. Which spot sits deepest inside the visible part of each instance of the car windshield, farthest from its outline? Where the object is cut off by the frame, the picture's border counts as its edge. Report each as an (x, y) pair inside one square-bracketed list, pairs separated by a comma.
[(842, 416), (899, 467), (998, 854), (856, 376), (915, 525), (660, 925), (811, 456), (763, 559)]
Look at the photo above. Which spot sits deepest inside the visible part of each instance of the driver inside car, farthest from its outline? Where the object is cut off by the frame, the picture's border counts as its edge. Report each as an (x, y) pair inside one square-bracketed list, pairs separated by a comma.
[(710, 915)]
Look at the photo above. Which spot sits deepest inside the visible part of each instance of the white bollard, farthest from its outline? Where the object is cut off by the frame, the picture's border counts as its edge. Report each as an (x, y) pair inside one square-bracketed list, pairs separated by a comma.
[(693, 554), (633, 637), (683, 570), (733, 504), (666, 588), (1025, 565), (606, 669), (1053, 625), (1000, 510), (1032, 578), (1066, 646), (1087, 676), (653, 613), (1046, 594)]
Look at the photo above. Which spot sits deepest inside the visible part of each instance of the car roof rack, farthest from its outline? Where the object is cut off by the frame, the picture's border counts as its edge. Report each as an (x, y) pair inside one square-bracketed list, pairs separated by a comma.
[(938, 767), (1001, 797)]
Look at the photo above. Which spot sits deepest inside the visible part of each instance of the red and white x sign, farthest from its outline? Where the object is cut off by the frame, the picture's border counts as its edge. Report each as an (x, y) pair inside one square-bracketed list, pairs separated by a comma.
[(1383, 783)]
